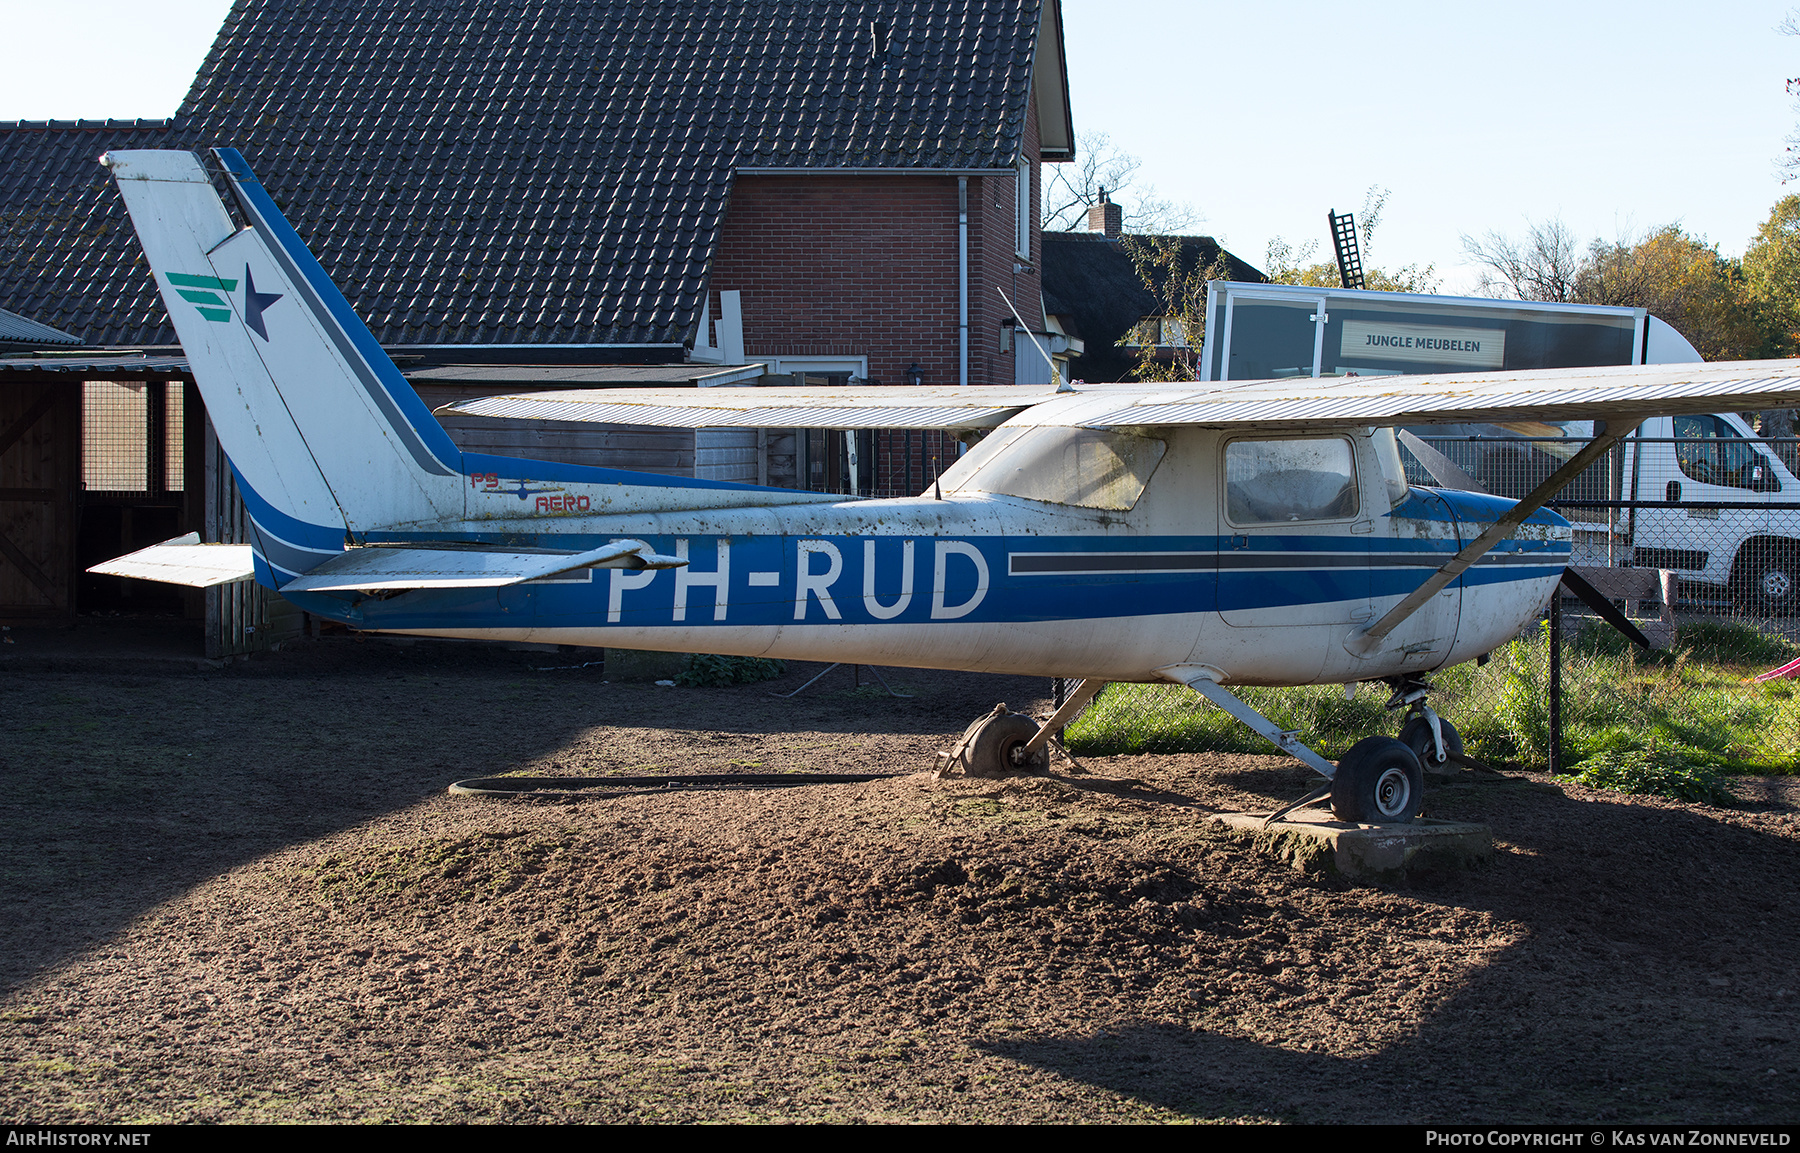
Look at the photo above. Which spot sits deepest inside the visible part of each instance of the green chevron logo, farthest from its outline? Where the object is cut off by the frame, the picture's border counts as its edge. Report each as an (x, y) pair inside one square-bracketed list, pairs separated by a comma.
[(203, 293)]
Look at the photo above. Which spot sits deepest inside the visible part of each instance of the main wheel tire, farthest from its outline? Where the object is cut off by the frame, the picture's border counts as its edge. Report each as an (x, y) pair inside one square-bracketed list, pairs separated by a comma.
[(1416, 735), (1766, 580), (1378, 782), (996, 748)]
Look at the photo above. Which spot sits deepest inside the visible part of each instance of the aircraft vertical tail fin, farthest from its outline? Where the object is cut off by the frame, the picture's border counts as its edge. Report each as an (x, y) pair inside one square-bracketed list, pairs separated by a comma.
[(327, 438)]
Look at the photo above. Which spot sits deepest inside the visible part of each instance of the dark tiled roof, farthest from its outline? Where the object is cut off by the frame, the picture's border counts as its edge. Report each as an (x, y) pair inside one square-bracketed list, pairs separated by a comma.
[(504, 171), (1092, 280), (68, 256)]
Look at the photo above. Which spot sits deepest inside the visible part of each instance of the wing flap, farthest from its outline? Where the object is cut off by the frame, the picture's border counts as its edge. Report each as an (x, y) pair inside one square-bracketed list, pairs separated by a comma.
[(382, 568), (183, 560)]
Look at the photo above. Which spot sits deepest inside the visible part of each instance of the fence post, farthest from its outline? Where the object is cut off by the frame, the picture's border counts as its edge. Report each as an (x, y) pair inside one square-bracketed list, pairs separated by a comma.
[(1556, 681)]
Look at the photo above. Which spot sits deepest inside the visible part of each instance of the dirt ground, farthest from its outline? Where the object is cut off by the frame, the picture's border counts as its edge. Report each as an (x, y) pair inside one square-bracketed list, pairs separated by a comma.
[(245, 895)]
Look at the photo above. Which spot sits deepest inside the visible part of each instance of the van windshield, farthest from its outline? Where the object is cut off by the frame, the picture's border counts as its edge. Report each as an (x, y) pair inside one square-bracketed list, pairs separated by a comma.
[(1084, 467)]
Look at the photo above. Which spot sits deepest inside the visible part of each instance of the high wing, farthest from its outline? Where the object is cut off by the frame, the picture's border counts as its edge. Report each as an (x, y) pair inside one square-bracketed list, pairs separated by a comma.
[(1298, 403), (1601, 393), (945, 407)]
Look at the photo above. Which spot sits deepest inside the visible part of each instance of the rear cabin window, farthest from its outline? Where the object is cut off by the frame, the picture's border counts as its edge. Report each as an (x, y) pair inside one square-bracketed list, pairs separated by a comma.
[(1084, 467), (1282, 481)]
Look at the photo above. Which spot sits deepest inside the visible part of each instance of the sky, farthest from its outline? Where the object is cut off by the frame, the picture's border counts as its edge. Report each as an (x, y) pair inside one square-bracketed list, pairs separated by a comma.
[(1616, 118)]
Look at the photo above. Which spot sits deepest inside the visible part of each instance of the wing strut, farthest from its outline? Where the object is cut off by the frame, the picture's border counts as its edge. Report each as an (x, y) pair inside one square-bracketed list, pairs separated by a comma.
[(1363, 642)]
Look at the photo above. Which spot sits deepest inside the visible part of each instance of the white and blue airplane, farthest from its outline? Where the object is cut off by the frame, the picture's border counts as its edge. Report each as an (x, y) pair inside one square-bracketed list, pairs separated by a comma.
[(1208, 535)]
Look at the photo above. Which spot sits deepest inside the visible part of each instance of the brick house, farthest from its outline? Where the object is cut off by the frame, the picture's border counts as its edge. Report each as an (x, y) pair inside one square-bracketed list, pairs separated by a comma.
[(575, 193)]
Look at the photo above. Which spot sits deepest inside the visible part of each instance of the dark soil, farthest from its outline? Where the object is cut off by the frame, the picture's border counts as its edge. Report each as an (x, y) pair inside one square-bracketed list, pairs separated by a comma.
[(245, 895)]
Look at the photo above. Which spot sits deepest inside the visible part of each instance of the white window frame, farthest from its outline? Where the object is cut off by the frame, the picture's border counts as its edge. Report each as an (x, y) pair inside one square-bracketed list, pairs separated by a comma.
[(857, 366)]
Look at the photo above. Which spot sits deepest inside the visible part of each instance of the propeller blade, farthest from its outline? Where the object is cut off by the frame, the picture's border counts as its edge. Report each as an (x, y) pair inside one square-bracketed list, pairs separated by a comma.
[(1594, 599), (1442, 469)]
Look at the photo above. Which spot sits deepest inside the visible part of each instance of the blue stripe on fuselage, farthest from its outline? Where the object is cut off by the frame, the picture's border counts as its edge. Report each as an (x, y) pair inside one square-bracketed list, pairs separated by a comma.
[(781, 580)]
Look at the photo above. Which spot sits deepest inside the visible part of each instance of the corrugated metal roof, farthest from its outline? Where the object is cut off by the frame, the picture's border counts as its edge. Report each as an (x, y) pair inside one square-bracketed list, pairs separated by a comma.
[(98, 365), (16, 329), (549, 375)]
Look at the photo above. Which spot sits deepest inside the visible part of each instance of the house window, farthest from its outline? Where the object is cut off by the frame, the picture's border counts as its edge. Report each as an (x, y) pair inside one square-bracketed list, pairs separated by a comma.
[(1157, 332), (1022, 243), (131, 436)]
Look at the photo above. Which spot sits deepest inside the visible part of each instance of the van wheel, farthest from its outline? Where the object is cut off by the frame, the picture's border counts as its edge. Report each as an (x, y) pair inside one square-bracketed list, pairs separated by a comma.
[(1766, 580)]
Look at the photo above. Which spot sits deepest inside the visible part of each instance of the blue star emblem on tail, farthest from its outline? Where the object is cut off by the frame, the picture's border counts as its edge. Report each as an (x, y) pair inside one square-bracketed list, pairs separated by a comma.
[(254, 304)]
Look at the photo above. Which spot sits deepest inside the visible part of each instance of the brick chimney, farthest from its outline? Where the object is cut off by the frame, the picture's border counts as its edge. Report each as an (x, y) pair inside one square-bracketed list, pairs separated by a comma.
[(1105, 216)]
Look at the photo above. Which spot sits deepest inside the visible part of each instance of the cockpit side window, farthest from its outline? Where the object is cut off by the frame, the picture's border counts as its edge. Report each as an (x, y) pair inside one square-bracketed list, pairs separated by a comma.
[(1712, 452), (1084, 467), (1281, 481)]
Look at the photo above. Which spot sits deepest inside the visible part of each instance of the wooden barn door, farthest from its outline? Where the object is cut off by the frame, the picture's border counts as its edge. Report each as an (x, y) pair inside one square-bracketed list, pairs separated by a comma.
[(39, 429)]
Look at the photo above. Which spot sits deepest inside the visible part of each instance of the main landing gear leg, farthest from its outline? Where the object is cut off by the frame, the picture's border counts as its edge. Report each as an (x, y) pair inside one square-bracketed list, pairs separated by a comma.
[(1379, 781)]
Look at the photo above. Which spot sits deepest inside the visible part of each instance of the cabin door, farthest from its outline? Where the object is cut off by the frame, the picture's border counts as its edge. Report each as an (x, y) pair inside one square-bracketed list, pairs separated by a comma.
[(1294, 547)]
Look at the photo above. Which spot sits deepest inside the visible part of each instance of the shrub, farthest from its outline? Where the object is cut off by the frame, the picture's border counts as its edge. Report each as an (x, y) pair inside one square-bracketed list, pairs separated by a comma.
[(704, 670), (1678, 772)]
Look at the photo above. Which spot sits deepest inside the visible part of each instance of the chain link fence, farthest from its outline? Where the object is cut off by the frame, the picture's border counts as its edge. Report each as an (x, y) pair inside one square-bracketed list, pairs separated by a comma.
[(1696, 536)]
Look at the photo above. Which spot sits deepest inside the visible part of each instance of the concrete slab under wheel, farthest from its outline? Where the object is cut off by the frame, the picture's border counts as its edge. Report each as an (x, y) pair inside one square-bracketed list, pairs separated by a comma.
[(1314, 843)]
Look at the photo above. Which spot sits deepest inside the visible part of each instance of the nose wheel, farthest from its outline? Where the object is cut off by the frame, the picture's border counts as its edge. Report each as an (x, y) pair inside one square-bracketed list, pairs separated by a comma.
[(1432, 739)]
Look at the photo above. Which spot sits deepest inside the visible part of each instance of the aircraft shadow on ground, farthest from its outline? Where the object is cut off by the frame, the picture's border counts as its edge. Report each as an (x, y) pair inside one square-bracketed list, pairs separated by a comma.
[(152, 783), (1657, 985)]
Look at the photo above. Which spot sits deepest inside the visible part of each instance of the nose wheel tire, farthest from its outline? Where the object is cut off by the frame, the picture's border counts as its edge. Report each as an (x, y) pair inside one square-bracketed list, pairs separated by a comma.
[(1416, 735), (1378, 782)]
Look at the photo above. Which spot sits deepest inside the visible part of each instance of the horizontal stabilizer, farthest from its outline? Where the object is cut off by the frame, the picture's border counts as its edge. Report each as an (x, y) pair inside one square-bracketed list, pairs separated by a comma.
[(945, 407), (183, 561), (381, 568)]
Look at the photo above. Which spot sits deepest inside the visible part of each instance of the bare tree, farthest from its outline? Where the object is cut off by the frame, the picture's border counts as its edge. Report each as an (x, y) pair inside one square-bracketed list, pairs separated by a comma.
[(1542, 266), (1790, 164), (1101, 169)]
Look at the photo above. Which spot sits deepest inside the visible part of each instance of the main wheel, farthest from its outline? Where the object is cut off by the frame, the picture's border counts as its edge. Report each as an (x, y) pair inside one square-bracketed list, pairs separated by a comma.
[(1416, 735), (1766, 579), (1378, 782), (997, 747)]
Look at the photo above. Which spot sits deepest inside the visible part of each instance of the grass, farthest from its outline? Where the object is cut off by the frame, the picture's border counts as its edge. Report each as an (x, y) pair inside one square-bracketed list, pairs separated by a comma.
[(1639, 717)]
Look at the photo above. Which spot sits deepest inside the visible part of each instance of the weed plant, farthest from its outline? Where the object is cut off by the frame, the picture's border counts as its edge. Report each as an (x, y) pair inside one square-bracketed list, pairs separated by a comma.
[(705, 670)]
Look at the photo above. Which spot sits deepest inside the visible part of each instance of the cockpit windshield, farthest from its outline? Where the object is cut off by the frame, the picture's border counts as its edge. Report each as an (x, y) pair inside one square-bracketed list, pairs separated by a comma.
[(1084, 467)]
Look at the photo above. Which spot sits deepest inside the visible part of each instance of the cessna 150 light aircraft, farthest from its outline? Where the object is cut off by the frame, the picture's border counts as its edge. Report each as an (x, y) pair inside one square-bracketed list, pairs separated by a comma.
[(1209, 535)]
